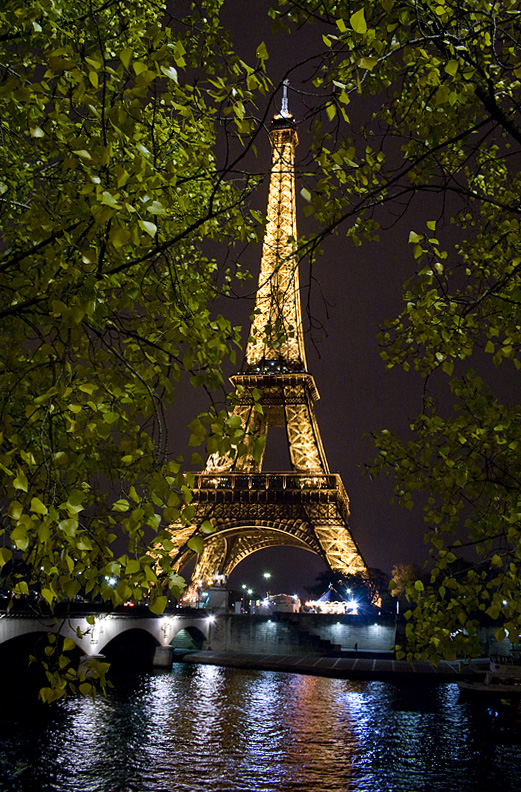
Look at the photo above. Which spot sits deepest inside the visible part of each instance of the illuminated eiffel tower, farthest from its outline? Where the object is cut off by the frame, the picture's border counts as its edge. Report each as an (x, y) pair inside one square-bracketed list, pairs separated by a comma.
[(251, 508)]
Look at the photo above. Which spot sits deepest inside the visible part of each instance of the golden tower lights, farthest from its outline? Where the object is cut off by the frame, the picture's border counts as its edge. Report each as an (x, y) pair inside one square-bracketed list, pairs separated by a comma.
[(251, 508)]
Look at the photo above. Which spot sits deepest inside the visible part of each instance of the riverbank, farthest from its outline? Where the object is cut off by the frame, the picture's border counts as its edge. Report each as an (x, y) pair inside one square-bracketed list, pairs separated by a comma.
[(383, 669)]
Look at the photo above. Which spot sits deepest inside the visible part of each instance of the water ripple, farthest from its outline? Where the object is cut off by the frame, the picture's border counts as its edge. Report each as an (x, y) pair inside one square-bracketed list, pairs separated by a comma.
[(202, 728)]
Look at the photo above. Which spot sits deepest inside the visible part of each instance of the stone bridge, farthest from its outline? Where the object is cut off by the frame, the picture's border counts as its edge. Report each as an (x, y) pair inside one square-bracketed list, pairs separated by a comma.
[(137, 624), (133, 630)]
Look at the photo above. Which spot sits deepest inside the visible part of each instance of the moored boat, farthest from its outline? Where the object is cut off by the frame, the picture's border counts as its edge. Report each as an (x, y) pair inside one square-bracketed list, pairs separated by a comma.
[(502, 680)]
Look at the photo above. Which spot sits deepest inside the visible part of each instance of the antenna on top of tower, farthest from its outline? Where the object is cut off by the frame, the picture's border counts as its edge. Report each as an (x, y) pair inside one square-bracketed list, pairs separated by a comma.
[(284, 111)]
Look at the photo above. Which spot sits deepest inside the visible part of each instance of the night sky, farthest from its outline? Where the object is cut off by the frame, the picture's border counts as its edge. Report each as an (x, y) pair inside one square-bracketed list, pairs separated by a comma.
[(359, 289)]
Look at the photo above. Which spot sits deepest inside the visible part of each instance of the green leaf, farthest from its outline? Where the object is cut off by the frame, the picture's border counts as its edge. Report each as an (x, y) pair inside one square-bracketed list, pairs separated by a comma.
[(108, 199), (331, 111), (38, 506), (368, 63), (207, 527), (156, 207), (125, 56), (119, 236), (196, 543), (5, 555), (149, 227), (258, 448), (19, 537), (357, 21), (20, 480), (451, 67), (170, 72), (414, 237), (158, 605), (261, 52), (83, 153), (48, 595)]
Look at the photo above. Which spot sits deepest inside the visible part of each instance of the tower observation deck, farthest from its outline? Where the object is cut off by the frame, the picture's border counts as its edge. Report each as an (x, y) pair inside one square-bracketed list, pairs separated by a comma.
[(252, 508)]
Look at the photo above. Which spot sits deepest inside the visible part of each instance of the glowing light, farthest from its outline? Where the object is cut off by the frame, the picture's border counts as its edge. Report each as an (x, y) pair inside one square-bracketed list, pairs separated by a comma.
[(352, 606)]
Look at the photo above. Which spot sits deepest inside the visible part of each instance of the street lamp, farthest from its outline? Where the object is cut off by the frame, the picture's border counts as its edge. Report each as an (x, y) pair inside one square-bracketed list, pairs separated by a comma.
[(266, 576)]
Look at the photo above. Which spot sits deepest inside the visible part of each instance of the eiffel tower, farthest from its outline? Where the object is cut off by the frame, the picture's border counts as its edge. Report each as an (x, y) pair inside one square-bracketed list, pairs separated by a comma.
[(251, 508)]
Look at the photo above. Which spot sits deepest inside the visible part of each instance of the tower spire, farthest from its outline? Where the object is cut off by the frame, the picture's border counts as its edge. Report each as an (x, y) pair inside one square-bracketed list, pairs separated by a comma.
[(284, 111), (276, 340)]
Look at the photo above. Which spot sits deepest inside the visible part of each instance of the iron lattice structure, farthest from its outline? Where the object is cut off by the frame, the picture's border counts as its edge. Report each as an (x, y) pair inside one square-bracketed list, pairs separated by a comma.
[(250, 508)]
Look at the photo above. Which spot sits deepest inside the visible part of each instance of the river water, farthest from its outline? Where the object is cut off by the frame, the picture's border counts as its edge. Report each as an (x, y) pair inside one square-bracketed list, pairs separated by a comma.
[(231, 730)]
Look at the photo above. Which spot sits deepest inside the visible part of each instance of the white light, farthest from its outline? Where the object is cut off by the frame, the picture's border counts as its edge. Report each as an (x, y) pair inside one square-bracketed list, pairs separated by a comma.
[(211, 619)]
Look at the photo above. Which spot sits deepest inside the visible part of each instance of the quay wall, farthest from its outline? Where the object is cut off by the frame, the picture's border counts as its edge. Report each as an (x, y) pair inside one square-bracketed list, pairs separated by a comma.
[(290, 633)]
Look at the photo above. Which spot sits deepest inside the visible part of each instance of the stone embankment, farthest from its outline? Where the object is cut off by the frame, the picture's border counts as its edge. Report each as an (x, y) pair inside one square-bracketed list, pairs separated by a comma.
[(340, 667)]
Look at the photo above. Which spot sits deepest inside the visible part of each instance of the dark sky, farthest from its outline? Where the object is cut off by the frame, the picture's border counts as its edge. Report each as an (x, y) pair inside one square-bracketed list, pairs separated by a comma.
[(360, 287)]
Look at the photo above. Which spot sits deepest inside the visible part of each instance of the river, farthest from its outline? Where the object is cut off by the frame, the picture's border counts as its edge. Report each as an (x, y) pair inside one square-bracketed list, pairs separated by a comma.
[(230, 730)]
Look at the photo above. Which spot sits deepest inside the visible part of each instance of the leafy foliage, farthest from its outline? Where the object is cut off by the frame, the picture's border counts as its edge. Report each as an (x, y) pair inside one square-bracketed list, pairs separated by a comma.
[(442, 121), (110, 186)]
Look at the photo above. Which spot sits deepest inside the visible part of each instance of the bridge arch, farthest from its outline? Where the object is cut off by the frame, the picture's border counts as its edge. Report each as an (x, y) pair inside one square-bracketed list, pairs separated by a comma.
[(132, 647), (15, 654), (190, 638)]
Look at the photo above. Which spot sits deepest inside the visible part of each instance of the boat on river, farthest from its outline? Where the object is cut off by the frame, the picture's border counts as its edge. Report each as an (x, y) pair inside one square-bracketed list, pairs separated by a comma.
[(501, 681)]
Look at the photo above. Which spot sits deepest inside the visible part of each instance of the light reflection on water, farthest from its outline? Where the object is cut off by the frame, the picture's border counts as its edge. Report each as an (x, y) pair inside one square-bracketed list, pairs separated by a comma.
[(226, 730)]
